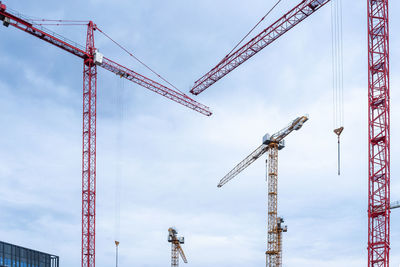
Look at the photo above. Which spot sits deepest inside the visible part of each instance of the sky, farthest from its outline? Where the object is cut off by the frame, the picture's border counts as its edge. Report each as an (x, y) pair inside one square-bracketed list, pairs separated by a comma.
[(164, 160)]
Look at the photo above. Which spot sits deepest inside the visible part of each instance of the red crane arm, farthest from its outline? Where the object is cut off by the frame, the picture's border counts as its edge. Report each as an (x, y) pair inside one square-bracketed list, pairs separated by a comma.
[(19, 21), (265, 38), (156, 87)]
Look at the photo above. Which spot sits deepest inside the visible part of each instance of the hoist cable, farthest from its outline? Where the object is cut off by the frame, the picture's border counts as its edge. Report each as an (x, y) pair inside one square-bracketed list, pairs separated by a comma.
[(120, 115), (140, 61), (337, 71), (258, 23), (337, 62)]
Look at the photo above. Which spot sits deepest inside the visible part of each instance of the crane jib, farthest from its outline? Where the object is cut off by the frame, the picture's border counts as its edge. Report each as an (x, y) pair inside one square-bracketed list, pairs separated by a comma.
[(276, 139), (259, 42)]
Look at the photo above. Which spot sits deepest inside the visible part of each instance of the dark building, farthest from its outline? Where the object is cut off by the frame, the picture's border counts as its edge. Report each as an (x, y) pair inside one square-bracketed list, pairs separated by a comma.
[(15, 256)]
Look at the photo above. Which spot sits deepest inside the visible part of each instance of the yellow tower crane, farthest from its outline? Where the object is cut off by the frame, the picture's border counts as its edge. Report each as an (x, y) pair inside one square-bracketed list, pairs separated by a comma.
[(275, 224), (176, 248)]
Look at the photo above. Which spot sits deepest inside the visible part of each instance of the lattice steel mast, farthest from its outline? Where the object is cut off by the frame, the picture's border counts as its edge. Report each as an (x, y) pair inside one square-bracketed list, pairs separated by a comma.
[(379, 134), (275, 228)]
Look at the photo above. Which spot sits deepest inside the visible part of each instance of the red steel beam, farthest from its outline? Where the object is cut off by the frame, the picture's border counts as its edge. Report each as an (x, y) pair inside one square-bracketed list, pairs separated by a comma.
[(89, 153), (156, 87), (255, 45)]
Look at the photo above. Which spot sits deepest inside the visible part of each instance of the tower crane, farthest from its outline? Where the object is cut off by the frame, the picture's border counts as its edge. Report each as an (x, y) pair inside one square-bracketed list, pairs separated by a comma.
[(275, 224), (92, 59), (176, 248)]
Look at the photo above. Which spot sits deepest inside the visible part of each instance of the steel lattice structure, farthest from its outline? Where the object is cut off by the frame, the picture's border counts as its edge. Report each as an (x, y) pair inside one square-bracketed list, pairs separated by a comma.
[(89, 153), (92, 59), (174, 255), (273, 248), (255, 45), (379, 134)]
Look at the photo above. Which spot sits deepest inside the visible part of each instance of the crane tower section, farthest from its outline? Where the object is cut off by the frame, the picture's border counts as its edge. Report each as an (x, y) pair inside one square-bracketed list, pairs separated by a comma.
[(274, 237), (89, 152), (273, 252), (176, 248), (379, 134)]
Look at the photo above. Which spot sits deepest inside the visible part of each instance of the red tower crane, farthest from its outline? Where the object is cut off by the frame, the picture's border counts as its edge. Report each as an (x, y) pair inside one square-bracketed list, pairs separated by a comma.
[(378, 108), (92, 59)]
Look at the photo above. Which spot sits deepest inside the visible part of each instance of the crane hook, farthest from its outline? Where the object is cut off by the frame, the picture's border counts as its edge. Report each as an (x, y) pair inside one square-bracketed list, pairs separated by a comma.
[(338, 132)]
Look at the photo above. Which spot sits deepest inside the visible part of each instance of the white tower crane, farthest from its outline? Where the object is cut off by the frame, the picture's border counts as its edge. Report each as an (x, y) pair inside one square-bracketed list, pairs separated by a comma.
[(275, 224)]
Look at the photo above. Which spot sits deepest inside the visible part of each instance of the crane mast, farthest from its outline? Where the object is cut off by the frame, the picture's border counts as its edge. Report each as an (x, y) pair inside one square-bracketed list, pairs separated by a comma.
[(274, 252), (255, 45), (89, 152), (378, 134), (272, 144), (176, 248)]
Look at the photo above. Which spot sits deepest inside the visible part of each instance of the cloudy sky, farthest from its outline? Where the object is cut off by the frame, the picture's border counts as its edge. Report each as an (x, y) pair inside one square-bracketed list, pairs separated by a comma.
[(169, 158)]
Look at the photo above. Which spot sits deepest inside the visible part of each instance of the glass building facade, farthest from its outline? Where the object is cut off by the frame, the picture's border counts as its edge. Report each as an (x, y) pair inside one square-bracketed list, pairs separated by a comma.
[(15, 256)]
